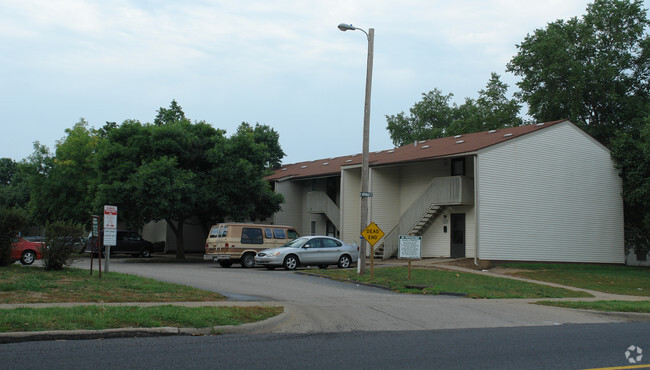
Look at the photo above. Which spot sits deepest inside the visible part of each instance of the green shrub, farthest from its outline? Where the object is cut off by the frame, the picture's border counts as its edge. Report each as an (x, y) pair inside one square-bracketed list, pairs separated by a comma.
[(61, 244)]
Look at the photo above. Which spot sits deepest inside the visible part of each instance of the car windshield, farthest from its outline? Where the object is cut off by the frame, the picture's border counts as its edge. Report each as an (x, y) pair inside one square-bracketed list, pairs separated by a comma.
[(296, 243)]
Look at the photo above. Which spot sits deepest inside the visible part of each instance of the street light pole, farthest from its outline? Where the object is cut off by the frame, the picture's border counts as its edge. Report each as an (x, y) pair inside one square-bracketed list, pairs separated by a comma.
[(365, 186)]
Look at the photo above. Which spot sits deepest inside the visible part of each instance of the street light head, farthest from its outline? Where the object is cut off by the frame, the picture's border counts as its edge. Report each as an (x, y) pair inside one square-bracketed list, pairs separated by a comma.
[(346, 27)]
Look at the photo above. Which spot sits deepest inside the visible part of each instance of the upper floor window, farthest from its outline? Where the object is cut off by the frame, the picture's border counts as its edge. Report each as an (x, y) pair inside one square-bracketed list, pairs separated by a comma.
[(458, 166)]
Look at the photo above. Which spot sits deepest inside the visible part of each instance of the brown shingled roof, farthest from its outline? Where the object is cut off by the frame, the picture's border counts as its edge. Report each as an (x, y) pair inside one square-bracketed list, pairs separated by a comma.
[(421, 150)]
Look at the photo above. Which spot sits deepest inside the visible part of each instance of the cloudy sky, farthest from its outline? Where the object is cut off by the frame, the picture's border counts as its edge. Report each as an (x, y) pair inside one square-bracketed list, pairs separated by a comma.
[(282, 63)]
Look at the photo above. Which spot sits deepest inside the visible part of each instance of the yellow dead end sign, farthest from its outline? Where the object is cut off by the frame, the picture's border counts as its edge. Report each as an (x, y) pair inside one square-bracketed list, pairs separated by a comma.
[(372, 233)]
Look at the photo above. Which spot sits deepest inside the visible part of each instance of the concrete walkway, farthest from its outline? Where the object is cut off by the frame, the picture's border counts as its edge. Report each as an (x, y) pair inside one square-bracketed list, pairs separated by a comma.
[(268, 325)]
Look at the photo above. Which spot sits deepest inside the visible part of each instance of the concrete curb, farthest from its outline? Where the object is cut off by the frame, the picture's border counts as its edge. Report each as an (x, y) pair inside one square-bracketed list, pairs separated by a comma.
[(26, 336)]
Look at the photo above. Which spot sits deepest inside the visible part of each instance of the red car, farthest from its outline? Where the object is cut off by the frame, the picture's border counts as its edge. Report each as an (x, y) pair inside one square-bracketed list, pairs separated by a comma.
[(25, 251)]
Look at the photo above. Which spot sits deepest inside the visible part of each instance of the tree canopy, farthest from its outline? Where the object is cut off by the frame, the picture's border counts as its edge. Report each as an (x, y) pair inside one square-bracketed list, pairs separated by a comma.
[(435, 116), (592, 70), (179, 171)]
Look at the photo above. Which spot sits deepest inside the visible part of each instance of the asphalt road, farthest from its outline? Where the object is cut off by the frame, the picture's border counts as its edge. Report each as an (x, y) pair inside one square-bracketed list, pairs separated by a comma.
[(318, 305), (572, 346)]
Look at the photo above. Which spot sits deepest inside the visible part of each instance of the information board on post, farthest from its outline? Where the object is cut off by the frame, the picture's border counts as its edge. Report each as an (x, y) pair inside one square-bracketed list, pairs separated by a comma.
[(410, 247)]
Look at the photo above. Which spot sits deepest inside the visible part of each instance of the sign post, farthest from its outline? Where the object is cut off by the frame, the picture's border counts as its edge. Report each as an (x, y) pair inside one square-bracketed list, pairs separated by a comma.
[(372, 234), (410, 248), (110, 233)]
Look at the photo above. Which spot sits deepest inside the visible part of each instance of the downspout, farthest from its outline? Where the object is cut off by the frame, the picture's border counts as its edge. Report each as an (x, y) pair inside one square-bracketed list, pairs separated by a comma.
[(476, 210)]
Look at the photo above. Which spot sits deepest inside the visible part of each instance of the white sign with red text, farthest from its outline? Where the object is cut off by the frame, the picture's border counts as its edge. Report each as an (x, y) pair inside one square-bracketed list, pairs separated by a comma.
[(110, 225)]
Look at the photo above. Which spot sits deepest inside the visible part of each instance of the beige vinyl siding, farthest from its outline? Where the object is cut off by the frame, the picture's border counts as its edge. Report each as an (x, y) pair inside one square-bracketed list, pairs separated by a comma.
[(350, 204), (552, 195), (292, 208), (414, 178), (384, 204), (437, 243), (307, 217)]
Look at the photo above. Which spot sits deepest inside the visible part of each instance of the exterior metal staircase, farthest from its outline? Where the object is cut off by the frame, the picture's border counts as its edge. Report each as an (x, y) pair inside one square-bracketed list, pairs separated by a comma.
[(418, 229), (441, 192)]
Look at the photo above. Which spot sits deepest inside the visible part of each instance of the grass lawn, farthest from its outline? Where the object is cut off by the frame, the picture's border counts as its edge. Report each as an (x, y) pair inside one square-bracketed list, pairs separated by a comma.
[(32, 284), (607, 306), (625, 280), (100, 317), (19, 284), (474, 285)]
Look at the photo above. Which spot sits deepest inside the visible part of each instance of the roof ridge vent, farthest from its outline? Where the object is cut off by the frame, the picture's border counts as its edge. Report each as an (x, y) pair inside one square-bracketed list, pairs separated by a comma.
[(460, 141), (540, 124), (458, 136), (492, 131), (508, 134), (326, 163), (348, 160), (391, 151), (284, 169), (426, 146), (303, 166)]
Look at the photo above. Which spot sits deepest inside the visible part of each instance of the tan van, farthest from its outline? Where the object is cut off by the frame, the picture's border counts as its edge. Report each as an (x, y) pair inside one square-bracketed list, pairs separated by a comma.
[(231, 242)]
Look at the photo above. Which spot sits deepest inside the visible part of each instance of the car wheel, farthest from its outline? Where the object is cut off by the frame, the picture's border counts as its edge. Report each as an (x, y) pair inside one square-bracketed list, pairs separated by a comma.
[(146, 253), (225, 263), (344, 261), (322, 267), (248, 260), (28, 257), (290, 262)]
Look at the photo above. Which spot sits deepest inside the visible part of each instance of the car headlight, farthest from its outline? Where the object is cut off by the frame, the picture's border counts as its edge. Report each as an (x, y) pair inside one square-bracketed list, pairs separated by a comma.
[(272, 253)]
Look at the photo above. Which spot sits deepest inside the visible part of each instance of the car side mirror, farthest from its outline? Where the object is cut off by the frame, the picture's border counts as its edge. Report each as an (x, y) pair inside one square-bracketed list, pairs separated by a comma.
[(306, 246)]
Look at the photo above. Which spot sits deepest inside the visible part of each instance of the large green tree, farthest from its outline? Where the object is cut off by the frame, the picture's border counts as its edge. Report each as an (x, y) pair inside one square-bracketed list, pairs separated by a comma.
[(184, 172), (62, 185), (436, 116), (592, 70), (632, 154)]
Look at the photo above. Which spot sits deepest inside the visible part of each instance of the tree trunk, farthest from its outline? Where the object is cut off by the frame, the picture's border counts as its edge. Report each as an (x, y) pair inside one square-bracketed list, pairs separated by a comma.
[(178, 232)]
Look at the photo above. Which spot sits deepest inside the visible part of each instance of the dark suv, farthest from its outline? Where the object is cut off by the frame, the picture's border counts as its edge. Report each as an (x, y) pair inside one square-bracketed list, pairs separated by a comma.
[(128, 242)]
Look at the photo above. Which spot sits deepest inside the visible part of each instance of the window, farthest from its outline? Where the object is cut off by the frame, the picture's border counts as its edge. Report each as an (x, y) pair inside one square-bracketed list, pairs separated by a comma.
[(268, 233), (329, 243), (641, 256), (313, 228), (293, 234), (279, 234), (250, 235), (458, 167), (315, 243), (218, 231)]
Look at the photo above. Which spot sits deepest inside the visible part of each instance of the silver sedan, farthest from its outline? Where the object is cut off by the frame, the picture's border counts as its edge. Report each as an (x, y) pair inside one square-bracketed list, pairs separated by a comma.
[(320, 251)]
